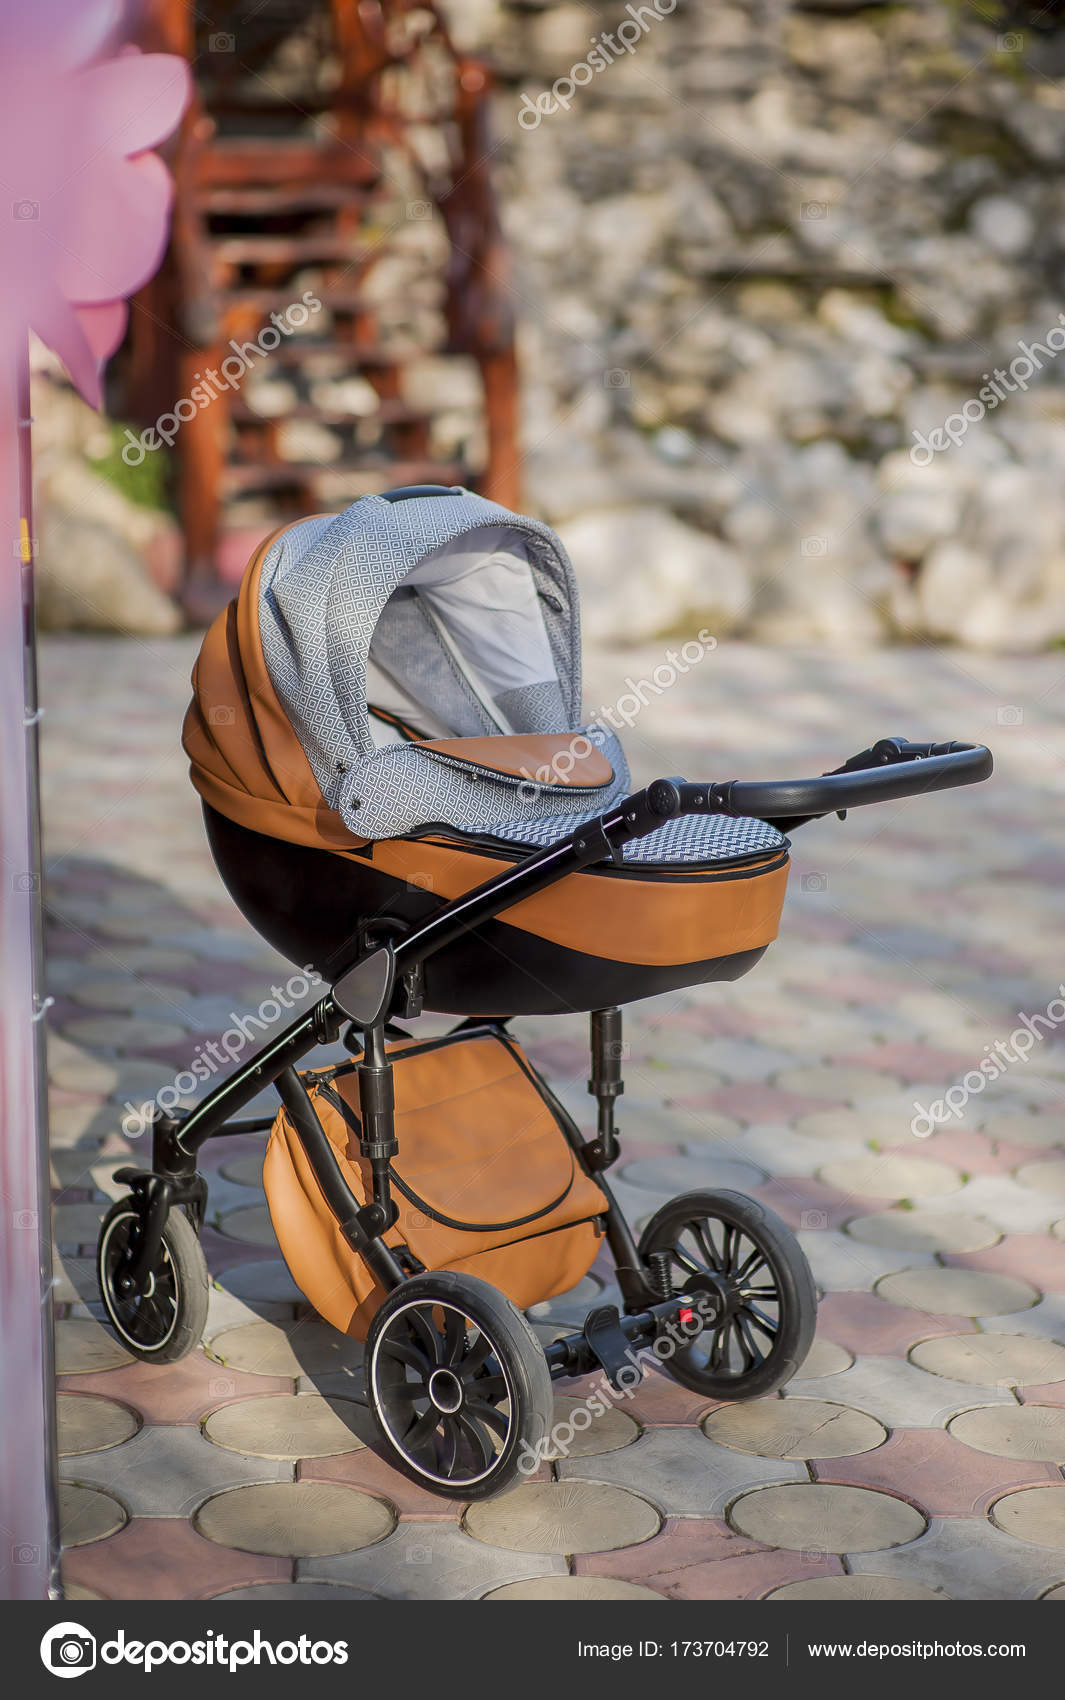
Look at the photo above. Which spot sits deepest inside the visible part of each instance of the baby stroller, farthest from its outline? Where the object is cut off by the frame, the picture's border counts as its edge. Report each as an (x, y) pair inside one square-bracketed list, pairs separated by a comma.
[(399, 795)]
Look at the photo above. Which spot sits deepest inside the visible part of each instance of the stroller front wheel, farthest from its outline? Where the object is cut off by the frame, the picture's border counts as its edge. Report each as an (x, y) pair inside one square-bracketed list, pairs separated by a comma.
[(750, 1267), (458, 1385), (164, 1319)]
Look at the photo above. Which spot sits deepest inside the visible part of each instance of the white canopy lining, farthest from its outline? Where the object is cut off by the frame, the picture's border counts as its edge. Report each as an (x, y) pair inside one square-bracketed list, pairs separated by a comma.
[(461, 648)]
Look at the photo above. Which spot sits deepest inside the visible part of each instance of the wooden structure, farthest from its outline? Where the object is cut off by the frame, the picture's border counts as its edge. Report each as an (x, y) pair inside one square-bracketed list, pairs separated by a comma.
[(329, 141)]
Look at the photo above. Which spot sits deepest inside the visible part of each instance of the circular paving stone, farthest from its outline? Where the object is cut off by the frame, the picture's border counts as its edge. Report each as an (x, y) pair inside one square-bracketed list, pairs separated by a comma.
[(295, 1519), (88, 1424), (80, 1124), (888, 1176), (794, 1428), (123, 1033), (824, 1358), (824, 1517), (867, 1587), (77, 1224), (246, 1171), (572, 1588), (1035, 1514), (288, 1425), (86, 1515), (848, 1085), (563, 1517), (249, 1223), (1056, 1593), (1032, 1432), (268, 1282), (992, 1360), (83, 1346), (1046, 1177), (924, 1230), (263, 1591), (126, 995), (853, 1126), (957, 1292), (608, 1431), (305, 1347), (1021, 1129)]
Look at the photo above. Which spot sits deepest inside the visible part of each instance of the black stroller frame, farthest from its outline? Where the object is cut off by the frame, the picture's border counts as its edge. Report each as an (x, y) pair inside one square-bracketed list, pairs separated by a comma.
[(153, 1255)]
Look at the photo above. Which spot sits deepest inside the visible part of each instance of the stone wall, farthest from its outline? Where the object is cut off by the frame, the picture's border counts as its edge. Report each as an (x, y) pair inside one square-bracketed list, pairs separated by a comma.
[(753, 257)]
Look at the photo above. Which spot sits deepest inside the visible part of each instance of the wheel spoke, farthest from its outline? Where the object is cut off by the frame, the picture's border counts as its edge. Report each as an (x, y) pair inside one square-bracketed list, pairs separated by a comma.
[(483, 1448), (759, 1293), (685, 1262), (751, 1354), (705, 1240), (490, 1415), (717, 1348), (479, 1353), (449, 1446), (760, 1320), (421, 1429), (454, 1336), (410, 1356), (729, 1248), (488, 1386), (750, 1264), (426, 1333)]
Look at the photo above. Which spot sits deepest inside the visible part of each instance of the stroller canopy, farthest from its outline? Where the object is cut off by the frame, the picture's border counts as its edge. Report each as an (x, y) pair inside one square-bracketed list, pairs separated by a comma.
[(410, 666)]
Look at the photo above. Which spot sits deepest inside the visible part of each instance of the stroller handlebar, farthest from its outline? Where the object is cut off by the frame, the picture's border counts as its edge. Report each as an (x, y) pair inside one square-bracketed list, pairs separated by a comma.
[(888, 770)]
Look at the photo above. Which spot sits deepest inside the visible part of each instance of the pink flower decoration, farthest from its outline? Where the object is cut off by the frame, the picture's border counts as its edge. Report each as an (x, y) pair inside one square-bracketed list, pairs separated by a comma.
[(86, 205)]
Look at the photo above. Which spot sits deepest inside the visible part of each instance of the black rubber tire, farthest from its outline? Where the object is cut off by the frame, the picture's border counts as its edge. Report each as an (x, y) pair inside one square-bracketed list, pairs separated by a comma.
[(794, 1312), (512, 1368), (174, 1327)]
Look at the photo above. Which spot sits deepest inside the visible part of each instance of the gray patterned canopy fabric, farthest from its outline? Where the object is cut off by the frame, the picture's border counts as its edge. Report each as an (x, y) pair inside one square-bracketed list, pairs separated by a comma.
[(463, 619)]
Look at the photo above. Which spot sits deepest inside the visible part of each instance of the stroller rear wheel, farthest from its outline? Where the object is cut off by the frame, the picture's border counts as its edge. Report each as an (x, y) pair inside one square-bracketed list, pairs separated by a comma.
[(163, 1319), (742, 1257), (458, 1385)]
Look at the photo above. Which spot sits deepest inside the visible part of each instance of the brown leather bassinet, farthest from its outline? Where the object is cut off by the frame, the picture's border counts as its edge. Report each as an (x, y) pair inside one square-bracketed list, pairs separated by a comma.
[(309, 885)]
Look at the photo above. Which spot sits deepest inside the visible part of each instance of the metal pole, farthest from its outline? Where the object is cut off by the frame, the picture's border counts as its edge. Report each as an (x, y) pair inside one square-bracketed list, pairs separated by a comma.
[(28, 1494)]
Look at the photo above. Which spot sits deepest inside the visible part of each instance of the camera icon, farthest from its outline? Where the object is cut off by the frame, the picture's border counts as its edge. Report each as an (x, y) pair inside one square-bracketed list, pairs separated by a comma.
[(813, 882), (222, 42), (812, 1555), (813, 546), (617, 379), (812, 1221), (68, 1650), (221, 715), (25, 211), (419, 209), (25, 1555), (420, 1555), (812, 210), (25, 882), (1010, 715), (1011, 43), (23, 547), (618, 1050), (24, 1219), (421, 882), (221, 1387)]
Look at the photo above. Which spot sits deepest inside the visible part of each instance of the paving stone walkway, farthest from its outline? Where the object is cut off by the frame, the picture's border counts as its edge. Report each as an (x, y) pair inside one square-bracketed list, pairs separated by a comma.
[(919, 1454)]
